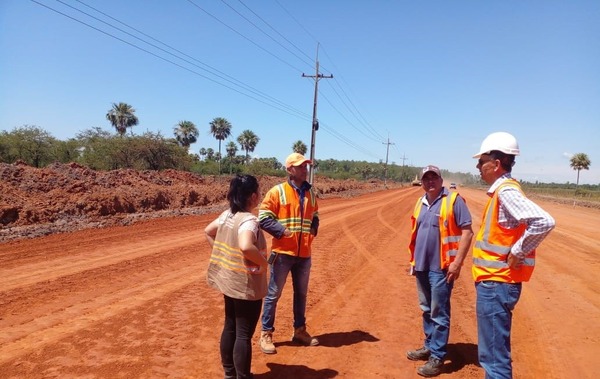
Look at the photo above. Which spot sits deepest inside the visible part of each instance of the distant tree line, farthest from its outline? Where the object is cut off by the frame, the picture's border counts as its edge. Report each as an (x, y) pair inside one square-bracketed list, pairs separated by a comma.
[(102, 150)]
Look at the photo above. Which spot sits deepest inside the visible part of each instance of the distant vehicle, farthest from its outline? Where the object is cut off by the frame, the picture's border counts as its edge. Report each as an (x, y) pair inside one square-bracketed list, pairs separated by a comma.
[(452, 185), (416, 182)]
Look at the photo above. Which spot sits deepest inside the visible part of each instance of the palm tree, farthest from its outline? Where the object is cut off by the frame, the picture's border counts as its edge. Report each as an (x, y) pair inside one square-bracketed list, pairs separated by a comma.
[(210, 154), (122, 116), (248, 141), (580, 161), (231, 149), (220, 128), (202, 152), (299, 147), (186, 133)]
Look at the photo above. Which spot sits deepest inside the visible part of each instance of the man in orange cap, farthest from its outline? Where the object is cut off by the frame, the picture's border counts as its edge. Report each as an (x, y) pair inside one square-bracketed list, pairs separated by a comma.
[(290, 213)]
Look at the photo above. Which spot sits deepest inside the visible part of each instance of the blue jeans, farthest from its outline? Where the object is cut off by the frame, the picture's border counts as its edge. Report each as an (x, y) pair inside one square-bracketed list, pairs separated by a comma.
[(495, 303), (300, 269), (434, 299)]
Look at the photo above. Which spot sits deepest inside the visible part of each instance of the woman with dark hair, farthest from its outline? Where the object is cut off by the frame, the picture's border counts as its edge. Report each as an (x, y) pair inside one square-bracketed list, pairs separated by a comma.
[(238, 269)]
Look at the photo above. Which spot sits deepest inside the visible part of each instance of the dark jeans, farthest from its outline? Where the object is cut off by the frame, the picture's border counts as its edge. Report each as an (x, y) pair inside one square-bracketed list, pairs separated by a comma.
[(241, 317)]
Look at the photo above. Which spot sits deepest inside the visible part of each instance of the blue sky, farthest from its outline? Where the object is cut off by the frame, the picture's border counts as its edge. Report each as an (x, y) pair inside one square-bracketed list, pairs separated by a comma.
[(435, 77)]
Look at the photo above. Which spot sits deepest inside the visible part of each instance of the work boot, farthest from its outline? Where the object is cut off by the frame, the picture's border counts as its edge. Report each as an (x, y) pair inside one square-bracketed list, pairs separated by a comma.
[(433, 367), (266, 342), (421, 354), (302, 336)]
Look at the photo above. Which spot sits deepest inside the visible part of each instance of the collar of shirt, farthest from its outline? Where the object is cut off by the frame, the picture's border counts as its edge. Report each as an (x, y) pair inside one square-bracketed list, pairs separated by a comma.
[(305, 186), (444, 192), (497, 183)]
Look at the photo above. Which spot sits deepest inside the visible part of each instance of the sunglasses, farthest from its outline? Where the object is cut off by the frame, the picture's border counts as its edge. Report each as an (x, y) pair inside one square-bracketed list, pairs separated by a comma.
[(482, 162)]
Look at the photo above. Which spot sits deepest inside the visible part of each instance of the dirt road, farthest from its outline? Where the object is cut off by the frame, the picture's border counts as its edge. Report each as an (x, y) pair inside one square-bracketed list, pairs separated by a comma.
[(131, 302)]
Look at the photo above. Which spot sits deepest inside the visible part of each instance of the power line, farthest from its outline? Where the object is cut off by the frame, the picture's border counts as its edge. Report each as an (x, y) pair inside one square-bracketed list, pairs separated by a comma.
[(270, 101), (262, 31), (243, 36), (242, 89)]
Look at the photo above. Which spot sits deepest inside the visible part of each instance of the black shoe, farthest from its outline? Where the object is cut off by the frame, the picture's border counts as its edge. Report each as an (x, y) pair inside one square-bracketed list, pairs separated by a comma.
[(421, 354), (433, 367)]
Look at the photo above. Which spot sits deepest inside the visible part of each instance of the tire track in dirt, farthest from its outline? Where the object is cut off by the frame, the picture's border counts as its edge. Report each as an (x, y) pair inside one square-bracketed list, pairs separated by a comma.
[(370, 284), (53, 269), (152, 315), (48, 329)]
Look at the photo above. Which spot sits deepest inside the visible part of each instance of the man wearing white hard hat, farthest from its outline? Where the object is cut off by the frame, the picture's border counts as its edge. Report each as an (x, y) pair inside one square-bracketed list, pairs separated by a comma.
[(504, 252)]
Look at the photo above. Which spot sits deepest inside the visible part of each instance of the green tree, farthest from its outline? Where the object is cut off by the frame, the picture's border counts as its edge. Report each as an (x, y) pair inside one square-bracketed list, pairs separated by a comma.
[(98, 148), (122, 116), (231, 149), (210, 154), (66, 151), (202, 152), (220, 128), (158, 153), (580, 161), (299, 147), (248, 141), (186, 133), (31, 144)]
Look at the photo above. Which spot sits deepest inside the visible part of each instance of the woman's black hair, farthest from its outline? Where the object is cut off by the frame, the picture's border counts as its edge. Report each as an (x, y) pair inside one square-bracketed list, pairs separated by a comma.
[(240, 189)]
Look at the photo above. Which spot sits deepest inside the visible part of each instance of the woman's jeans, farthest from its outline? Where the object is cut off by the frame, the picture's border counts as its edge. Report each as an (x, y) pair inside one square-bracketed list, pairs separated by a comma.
[(434, 299), (241, 317), (300, 269), (495, 304)]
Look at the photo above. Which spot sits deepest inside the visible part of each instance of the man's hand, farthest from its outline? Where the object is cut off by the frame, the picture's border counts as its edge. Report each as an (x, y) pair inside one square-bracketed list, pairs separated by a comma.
[(514, 261), (287, 233), (453, 272)]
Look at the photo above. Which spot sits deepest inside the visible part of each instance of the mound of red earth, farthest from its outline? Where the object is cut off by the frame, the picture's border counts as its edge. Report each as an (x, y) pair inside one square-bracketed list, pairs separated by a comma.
[(66, 197)]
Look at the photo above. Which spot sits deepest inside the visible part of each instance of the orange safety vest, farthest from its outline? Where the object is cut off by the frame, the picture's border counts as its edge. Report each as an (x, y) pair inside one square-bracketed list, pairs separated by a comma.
[(493, 244), (282, 203), (450, 233)]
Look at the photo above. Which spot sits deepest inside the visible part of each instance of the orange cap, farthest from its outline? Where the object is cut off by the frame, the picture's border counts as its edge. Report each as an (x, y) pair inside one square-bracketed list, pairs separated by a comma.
[(296, 159)]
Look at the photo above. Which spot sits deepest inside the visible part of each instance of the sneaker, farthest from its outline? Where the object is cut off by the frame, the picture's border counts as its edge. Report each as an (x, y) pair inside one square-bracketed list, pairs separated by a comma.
[(266, 342), (421, 354), (302, 336), (433, 367)]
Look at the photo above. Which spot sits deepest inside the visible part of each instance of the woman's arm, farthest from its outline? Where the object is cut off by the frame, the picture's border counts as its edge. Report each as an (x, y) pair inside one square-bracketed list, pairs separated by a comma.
[(247, 242), (210, 232)]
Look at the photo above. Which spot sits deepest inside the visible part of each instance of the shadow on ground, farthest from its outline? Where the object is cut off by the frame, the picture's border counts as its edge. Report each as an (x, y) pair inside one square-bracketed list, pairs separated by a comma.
[(460, 355), (338, 339)]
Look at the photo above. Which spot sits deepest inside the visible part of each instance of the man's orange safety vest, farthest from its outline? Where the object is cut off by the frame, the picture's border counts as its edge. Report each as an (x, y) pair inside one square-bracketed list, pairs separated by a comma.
[(493, 244), (283, 204), (450, 233)]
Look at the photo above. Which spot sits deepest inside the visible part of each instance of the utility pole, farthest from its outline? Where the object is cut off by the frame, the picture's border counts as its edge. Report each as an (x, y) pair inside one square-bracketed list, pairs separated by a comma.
[(387, 151), (403, 159), (315, 122)]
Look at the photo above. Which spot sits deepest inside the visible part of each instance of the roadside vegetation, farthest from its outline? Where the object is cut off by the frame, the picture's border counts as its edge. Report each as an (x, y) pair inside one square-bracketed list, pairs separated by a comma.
[(104, 150)]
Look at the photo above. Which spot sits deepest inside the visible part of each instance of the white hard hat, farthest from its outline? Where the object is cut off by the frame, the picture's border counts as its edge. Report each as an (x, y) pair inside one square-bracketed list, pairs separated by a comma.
[(500, 141)]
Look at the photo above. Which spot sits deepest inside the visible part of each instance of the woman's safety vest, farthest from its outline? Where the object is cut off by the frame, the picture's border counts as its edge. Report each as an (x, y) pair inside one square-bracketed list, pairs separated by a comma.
[(228, 270), (450, 233), (293, 216), (493, 244)]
